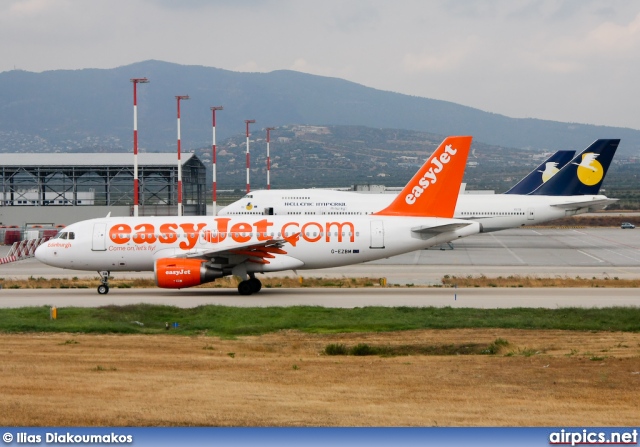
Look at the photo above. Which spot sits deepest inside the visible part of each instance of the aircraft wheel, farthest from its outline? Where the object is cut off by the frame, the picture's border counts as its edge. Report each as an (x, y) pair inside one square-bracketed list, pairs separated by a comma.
[(103, 290), (256, 285), (245, 288)]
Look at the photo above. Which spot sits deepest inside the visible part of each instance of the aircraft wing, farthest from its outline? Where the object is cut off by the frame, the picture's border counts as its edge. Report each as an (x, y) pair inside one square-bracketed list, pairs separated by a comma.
[(592, 205), (235, 253)]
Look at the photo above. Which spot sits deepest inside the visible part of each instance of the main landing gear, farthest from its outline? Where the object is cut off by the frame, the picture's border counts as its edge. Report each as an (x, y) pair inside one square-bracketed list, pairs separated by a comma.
[(103, 288), (250, 286)]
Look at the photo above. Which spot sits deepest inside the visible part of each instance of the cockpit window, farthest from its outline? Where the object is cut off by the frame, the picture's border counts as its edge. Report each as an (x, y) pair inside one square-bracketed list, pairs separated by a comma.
[(65, 235), (248, 196)]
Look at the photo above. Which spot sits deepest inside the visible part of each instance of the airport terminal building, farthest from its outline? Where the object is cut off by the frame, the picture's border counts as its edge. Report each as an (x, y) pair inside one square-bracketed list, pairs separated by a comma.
[(62, 188)]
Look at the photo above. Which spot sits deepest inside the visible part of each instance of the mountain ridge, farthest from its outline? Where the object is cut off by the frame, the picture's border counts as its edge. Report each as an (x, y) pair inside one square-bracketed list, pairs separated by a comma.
[(92, 108)]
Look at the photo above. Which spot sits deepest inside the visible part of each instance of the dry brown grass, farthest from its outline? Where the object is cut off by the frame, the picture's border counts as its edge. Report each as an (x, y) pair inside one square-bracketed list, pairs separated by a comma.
[(226, 282), (533, 281), (287, 282), (546, 378)]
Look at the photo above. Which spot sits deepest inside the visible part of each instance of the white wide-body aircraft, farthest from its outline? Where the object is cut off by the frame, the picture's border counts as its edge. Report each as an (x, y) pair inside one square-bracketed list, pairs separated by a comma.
[(190, 250), (571, 190)]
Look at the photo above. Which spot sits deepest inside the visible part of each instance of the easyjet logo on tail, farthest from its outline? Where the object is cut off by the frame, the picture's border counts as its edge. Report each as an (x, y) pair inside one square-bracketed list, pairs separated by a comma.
[(431, 176), (433, 190)]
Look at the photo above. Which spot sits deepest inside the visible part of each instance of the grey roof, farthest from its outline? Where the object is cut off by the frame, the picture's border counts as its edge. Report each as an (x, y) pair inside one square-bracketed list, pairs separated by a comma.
[(93, 159)]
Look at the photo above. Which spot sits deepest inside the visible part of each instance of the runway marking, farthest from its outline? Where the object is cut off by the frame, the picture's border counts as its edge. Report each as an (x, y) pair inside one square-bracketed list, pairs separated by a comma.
[(620, 254), (608, 249), (508, 249), (595, 236), (534, 231), (591, 256)]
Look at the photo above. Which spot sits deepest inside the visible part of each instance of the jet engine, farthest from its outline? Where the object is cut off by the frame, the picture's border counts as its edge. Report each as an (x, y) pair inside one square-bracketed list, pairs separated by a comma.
[(175, 273)]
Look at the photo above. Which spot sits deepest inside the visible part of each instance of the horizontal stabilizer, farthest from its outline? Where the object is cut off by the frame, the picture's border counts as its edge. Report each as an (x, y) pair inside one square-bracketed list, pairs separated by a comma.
[(580, 204), (427, 232), (440, 228)]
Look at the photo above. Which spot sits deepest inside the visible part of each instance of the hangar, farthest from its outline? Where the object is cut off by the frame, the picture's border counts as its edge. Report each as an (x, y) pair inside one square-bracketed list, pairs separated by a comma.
[(61, 188)]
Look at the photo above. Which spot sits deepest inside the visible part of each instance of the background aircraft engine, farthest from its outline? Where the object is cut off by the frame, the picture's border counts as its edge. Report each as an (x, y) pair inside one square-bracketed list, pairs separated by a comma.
[(171, 273)]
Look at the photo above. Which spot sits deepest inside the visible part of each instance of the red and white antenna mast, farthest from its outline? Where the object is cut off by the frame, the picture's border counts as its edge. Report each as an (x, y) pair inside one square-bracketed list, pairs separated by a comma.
[(247, 122), (136, 81), (178, 98), (213, 149), (269, 129)]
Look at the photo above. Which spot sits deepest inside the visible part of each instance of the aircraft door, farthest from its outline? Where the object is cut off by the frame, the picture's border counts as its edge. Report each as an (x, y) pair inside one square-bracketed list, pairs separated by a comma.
[(377, 234), (99, 233), (530, 214)]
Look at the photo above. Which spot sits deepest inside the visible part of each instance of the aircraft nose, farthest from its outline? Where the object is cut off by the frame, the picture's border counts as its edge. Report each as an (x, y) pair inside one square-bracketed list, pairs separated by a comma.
[(41, 253)]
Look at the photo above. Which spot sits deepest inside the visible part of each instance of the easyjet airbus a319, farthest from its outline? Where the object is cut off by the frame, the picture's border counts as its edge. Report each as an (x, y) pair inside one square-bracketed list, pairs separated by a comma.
[(188, 251)]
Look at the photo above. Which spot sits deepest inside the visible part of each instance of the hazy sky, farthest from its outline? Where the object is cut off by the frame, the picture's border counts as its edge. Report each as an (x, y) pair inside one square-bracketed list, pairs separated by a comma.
[(572, 60)]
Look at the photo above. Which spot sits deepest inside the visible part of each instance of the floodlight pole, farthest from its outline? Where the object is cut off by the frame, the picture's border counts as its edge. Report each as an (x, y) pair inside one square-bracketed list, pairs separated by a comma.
[(247, 122), (269, 129), (178, 98), (213, 149), (135, 82)]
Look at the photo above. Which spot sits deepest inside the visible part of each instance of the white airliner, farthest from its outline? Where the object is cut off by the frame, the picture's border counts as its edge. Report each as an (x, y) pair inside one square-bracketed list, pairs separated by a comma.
[(188, 251), (572, 190)]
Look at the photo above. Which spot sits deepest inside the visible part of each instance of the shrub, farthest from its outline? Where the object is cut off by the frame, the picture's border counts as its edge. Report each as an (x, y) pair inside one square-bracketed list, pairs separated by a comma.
[(363, 349), (495, 347), (335, 349)]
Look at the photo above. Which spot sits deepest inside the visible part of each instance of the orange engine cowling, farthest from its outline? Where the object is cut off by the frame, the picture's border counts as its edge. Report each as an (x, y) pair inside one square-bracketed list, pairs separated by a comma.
[(174, 273)]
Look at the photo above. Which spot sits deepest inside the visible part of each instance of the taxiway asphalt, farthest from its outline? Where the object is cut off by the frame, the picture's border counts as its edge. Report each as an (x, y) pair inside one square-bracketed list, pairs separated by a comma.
[(481, 298)]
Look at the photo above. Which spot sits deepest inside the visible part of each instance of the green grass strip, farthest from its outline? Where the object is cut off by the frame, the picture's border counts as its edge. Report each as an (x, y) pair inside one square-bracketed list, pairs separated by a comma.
[(235, 321)]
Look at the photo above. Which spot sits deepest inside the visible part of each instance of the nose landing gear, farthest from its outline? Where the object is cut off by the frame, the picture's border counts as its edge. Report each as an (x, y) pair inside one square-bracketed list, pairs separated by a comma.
[(103, 288)]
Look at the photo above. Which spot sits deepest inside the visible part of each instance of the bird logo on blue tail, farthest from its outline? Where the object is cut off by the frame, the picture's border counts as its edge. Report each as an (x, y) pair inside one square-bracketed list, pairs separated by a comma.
[(590, 171), (550, 169)]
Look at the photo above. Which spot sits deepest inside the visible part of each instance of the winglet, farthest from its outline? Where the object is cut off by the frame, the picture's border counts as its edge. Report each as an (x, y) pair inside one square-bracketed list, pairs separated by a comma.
[(433, 190), (584, 174), (542, 173)]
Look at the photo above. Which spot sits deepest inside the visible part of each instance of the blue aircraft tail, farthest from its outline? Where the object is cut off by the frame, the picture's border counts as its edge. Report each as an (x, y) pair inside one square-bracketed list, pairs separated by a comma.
[(584, 174), (542, 173)]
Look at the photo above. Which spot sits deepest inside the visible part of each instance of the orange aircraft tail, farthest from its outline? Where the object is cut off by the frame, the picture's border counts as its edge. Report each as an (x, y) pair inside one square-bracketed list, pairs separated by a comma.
[(433, 191)]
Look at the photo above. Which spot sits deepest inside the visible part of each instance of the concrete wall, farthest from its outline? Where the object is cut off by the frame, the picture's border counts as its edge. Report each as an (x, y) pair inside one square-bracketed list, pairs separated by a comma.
[(56, 215), (65, 215)]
